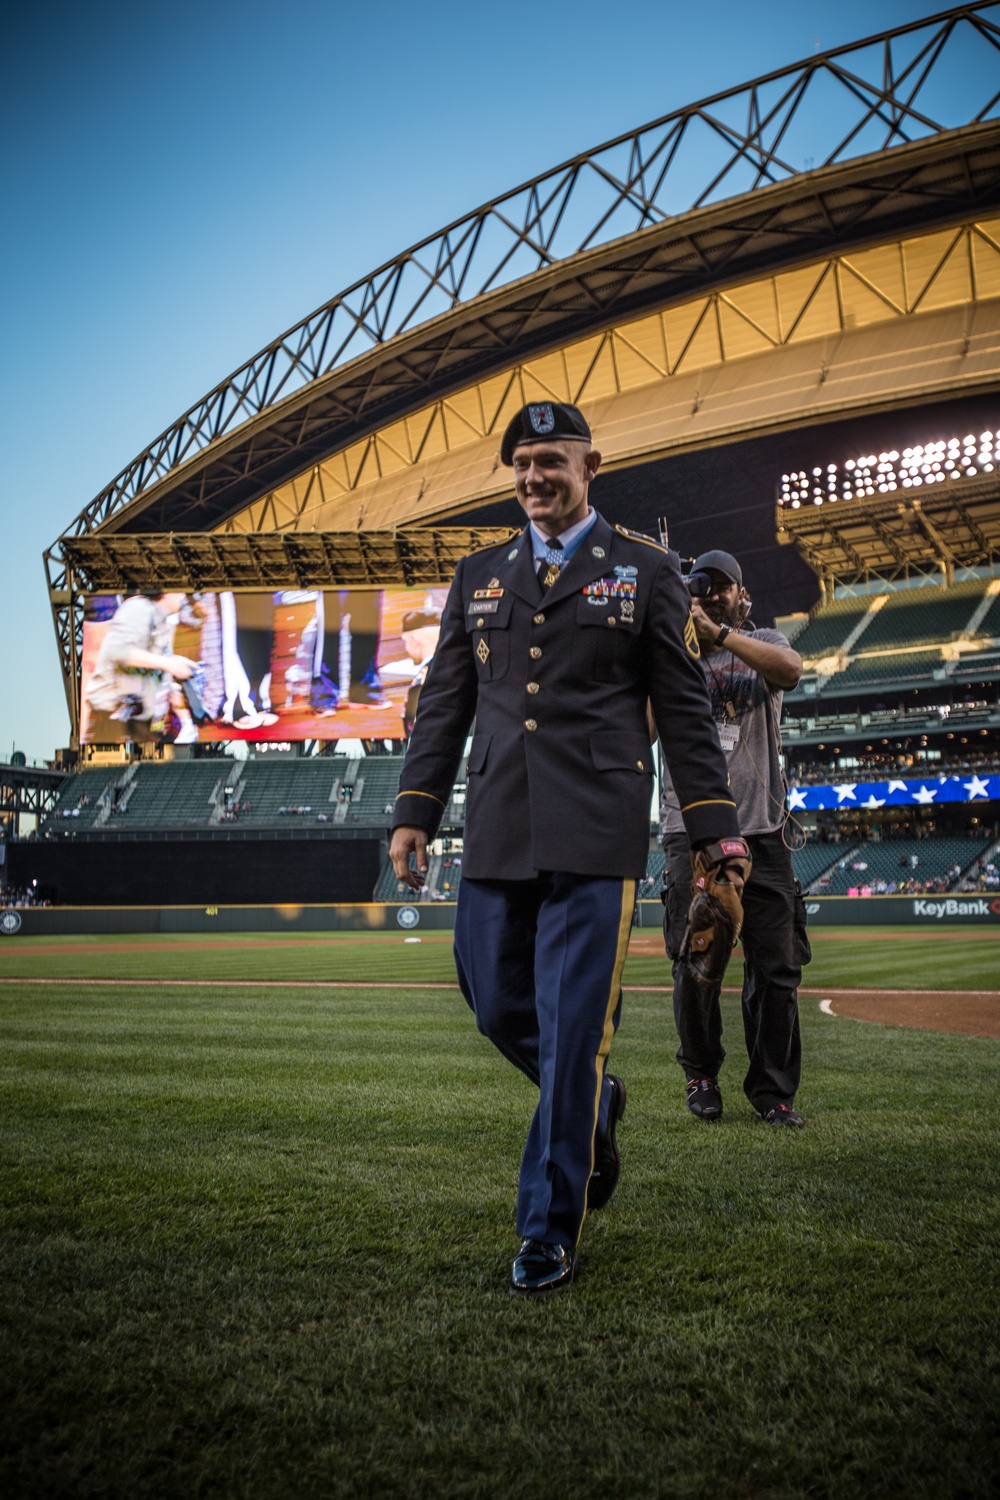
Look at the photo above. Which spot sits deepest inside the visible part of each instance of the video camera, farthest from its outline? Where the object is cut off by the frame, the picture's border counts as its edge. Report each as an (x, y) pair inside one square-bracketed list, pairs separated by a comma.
[(699, 583)]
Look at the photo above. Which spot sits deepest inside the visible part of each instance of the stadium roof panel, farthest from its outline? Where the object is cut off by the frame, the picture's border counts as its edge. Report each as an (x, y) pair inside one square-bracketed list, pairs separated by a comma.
[(896, 323), (712, 190)]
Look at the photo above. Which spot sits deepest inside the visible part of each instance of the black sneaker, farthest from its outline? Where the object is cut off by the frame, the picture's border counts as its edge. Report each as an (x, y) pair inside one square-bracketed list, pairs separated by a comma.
[(607, 1157), (704, 1099), (781, 1114)]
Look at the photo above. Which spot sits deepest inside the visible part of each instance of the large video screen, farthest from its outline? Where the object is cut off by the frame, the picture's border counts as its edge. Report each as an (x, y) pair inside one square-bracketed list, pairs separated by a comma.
[(184, 668)]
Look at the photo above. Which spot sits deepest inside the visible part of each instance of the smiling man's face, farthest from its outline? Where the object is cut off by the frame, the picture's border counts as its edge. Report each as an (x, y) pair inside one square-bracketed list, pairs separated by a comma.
[(551, 480)]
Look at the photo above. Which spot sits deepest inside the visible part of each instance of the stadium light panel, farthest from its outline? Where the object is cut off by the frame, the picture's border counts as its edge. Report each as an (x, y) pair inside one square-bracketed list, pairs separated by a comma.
[(915, 466)]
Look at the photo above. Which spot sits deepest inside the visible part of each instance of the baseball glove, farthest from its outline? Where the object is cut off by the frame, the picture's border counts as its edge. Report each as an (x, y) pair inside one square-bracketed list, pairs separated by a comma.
[(715, 916)]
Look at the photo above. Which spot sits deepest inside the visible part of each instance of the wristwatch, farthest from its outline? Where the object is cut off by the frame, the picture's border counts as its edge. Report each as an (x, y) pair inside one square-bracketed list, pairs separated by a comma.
[(726, 630)]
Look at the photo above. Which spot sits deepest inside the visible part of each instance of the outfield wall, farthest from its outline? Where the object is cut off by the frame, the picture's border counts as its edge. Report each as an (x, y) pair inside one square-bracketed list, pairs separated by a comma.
[(218, 872), (823, 911)]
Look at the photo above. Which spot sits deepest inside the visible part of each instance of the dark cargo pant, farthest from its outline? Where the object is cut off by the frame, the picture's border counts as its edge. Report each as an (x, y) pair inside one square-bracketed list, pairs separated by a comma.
[(775, 947)]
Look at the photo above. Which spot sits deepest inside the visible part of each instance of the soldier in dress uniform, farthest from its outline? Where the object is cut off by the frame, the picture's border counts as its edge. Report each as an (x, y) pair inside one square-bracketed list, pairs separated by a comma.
[(553, 643)]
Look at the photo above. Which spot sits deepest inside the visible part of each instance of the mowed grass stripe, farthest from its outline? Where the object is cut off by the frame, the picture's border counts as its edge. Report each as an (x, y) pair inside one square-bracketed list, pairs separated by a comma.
[(900, 958), (258, 1245)]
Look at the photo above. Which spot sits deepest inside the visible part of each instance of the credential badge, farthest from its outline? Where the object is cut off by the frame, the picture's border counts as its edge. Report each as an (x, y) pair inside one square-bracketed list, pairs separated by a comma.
[(542, 417), (626, 572)]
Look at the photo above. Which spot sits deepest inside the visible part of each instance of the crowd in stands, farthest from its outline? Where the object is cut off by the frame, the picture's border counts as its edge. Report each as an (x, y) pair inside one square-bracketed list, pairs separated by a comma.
[(885, 766), (82, 803), (985, 877), (13, 895), (879, 887), (233, 809)]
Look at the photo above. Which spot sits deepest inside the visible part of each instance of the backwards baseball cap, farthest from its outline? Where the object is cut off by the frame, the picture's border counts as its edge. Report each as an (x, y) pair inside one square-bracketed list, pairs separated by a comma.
[(722, 562), (539, 420), (417, 619)]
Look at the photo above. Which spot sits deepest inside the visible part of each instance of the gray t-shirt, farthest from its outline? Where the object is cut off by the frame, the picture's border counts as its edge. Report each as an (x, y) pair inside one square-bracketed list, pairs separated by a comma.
[(748, 715)]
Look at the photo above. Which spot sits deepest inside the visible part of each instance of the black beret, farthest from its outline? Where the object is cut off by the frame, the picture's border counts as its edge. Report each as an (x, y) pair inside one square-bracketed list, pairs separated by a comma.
[(539, 420)]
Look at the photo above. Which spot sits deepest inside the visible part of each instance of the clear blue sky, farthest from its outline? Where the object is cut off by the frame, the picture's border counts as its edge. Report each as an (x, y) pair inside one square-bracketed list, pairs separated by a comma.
[(181, 181)]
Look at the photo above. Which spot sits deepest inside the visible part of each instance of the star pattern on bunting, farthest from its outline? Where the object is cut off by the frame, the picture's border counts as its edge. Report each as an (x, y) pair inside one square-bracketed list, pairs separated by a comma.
[(845, 792), (976, 787), (924, 796)]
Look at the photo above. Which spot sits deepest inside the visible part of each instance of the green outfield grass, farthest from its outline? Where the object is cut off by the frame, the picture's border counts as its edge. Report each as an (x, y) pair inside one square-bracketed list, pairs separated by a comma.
[(945, 957), (255, 1243)]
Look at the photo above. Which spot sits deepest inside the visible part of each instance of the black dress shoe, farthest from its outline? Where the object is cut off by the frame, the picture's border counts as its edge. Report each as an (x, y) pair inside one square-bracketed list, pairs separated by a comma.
[(540, 1268), (607, 1157)]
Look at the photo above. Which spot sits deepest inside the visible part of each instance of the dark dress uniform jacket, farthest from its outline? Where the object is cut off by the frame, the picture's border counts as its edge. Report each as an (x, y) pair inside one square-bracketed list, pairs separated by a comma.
[(559, 773)]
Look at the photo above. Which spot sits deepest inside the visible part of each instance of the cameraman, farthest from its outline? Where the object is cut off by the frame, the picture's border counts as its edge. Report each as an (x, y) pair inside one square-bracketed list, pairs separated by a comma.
[(747, 671)]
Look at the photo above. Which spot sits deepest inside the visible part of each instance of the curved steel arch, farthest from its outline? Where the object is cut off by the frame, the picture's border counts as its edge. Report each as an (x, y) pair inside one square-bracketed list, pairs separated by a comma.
[(746, 136)]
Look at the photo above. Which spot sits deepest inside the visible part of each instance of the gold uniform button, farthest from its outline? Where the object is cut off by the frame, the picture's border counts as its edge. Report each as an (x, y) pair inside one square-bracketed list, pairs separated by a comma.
[(612, 620), (530, 724), (641, 765), (535, 652), (480, 623), (532, 687), (538, 619)]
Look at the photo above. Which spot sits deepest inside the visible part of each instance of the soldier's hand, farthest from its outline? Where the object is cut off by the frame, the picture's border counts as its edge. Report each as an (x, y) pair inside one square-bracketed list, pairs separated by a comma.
[(407, 841)]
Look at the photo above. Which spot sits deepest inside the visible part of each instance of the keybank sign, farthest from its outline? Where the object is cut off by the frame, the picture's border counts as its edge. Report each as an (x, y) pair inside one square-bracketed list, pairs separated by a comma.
[(937, 910)]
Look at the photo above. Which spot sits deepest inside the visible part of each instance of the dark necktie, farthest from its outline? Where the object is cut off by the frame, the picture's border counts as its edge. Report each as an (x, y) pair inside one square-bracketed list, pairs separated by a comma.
[(550, 565)]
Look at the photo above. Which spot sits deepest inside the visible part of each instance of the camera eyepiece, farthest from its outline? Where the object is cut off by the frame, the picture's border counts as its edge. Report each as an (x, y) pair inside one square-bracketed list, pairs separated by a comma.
[(699, 583)]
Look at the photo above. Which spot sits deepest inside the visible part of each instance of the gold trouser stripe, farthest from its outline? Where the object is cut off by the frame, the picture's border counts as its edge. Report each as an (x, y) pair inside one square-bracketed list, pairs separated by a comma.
[(420, 794), (614, 989), (710, 802)]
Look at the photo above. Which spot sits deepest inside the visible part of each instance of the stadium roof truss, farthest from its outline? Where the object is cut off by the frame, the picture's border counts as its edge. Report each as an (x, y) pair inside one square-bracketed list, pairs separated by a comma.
[(899, 536), (737, 225), (273, 560)]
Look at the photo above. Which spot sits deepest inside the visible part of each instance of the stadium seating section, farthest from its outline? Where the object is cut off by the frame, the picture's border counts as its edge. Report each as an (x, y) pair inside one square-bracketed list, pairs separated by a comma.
[(916, 615), (990, 623), (211, 793), (812, 860), (891, 860), (883, 636), (892, 666), (830, 625)]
